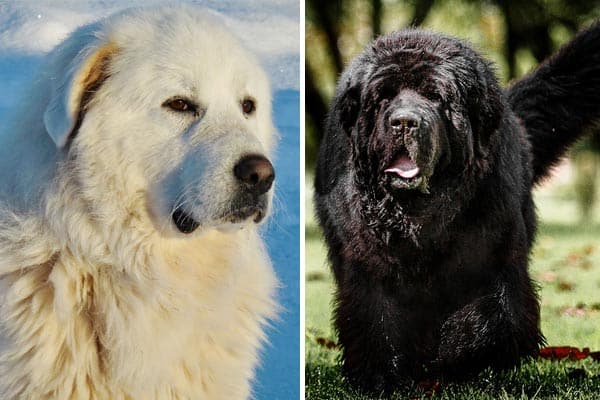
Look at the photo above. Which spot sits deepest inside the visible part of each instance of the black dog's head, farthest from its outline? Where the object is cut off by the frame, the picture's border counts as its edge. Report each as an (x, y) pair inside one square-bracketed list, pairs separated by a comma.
[(418, 111), (409, 137)]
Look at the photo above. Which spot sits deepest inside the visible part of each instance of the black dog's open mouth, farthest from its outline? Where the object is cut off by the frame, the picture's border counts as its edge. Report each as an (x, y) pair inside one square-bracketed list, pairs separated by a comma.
[(184, 222), (404, 173)]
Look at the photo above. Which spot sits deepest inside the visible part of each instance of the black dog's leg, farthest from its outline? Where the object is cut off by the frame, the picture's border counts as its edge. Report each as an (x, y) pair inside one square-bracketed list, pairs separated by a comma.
[(375, 335), (497, 329)]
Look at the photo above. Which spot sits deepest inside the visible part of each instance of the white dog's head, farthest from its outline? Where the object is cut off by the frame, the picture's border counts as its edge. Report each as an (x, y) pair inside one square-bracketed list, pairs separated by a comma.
[(165, 112)]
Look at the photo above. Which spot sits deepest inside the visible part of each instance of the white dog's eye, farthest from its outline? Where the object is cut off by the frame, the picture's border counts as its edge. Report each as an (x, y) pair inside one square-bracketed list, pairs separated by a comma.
[(181, 105), (248, 106)]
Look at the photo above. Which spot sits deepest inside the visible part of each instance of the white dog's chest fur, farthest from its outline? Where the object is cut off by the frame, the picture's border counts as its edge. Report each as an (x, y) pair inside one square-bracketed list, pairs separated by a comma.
[(189, 331)]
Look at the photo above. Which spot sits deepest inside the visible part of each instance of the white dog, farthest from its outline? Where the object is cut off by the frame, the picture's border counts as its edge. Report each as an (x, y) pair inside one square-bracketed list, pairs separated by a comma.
[(134, 177)]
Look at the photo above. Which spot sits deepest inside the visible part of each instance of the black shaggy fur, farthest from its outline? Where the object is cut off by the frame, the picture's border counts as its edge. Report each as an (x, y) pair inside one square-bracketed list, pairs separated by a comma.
[(432, 271)]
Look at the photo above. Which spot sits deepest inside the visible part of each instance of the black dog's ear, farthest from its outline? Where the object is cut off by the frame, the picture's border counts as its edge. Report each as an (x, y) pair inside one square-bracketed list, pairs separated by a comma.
[(458, 116), (345, 105), (483, 103), (349, 106), (334, 151), (487, 112), (476, 110)]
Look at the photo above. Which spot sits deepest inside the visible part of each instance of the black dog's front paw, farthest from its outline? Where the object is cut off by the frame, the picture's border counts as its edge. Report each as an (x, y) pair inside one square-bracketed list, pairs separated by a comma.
[(485, 333), (370, 382), (374, 382), (380, 375)]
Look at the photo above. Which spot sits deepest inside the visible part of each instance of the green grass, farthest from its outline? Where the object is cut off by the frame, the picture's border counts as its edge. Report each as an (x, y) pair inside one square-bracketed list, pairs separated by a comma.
[(565, 262)]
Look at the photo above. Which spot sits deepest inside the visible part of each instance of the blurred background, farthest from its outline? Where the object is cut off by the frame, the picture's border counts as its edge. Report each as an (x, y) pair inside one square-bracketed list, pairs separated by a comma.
[(516, 35)]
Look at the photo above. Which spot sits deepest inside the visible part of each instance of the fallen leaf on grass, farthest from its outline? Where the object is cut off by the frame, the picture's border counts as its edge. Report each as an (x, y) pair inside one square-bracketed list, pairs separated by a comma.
[(573, 258), (547, 276), (574, 312), (580, 258), (586, 264), (564, 286), (580, 310), (564, 352), (579, 355), (327, 343), (315, 276)]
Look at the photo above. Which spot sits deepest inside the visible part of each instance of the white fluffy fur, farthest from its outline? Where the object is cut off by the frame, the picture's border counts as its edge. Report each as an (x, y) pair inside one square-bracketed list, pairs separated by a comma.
[(102, 297)]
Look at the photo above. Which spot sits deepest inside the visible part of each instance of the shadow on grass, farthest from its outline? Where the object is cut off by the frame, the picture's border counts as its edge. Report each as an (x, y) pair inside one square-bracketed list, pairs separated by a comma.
[(534, 379)]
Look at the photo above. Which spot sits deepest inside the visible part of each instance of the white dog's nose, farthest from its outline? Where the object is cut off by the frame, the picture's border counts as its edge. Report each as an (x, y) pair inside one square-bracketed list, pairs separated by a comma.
[(256, 173)]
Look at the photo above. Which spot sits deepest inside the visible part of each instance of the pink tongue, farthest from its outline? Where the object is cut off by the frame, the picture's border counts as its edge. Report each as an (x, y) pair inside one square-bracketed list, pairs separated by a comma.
[(404, 167)]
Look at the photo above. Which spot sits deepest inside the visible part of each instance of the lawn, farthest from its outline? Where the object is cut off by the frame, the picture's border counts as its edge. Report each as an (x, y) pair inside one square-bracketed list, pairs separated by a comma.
[(565, 262)]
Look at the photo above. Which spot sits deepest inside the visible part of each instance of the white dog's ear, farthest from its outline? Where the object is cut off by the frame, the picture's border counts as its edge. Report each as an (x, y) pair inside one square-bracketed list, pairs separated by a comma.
[(72, 91)]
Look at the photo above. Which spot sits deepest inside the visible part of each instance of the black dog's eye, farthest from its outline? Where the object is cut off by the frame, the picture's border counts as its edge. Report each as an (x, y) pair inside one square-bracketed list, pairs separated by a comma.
[(181, 105), (436, 99), (434, 96), (248, 106), (387, 92)]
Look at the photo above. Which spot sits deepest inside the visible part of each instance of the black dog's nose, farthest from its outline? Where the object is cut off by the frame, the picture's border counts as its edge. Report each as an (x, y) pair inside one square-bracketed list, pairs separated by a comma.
[(403, 120), (255, 172)]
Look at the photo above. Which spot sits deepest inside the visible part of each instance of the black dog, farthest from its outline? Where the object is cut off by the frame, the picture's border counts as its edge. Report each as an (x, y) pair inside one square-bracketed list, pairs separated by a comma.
[(423, 190)]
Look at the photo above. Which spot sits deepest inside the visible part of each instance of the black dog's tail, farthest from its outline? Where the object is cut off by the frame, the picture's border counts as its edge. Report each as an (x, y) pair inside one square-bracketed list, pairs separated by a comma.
[(560, 101)]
